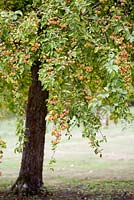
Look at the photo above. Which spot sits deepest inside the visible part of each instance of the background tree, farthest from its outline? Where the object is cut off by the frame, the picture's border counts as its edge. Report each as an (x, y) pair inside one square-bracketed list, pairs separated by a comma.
[(82, 53)]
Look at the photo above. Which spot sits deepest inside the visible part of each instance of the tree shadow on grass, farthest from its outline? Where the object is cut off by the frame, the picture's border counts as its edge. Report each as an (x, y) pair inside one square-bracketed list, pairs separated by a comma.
[(84, 191)]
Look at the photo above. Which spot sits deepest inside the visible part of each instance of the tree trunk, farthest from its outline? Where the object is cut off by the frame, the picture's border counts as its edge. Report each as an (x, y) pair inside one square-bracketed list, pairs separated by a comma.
[(30, 178)]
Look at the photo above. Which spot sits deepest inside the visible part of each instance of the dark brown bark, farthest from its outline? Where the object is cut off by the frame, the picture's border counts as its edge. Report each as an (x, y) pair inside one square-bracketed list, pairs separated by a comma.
[(30, 177)]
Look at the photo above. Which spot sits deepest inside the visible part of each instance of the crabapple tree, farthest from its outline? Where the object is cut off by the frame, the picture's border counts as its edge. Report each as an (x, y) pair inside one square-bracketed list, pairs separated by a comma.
[(71, 62)]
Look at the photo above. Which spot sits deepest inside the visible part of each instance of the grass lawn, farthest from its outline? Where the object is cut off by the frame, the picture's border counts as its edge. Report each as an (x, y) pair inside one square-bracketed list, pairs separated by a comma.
[(78, 173)]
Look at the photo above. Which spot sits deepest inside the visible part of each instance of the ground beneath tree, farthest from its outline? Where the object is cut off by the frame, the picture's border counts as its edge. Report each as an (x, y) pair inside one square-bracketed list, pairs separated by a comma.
[(104, 190)]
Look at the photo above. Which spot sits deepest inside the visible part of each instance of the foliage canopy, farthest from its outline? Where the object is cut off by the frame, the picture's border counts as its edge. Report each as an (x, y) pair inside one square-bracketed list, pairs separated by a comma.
[(85, 53)]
